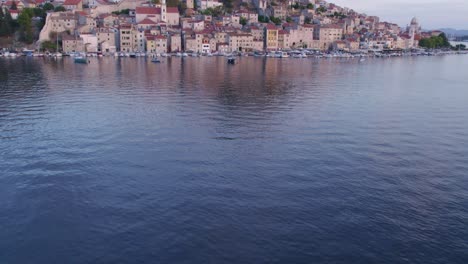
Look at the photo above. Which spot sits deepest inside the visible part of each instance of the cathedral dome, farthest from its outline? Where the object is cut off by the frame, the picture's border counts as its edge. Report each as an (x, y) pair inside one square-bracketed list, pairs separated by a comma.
[(414, 21)]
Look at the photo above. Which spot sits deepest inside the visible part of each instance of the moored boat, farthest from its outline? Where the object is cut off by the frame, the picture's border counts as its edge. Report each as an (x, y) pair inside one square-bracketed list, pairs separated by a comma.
[(81, 59), (231, 60)]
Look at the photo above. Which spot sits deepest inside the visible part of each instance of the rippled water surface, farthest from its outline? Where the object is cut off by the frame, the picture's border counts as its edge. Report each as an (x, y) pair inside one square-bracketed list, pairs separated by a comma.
[(266, 161)]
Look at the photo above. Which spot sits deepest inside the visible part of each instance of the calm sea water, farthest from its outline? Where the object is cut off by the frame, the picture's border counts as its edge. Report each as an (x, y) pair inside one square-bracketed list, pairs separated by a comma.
[(266, 161)]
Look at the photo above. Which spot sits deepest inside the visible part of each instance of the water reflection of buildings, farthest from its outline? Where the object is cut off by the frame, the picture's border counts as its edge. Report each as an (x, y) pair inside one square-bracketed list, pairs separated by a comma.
[(252, 81)]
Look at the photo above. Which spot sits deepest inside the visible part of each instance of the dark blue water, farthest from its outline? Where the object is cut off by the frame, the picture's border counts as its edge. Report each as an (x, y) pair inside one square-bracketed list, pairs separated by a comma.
[(267, 161)]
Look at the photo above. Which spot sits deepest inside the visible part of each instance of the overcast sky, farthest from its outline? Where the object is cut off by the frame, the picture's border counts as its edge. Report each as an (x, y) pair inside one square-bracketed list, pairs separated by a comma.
[(431, 14)]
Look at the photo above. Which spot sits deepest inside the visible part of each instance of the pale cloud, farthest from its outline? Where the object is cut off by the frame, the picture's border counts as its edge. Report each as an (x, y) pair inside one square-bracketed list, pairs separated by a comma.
[(431, 13)]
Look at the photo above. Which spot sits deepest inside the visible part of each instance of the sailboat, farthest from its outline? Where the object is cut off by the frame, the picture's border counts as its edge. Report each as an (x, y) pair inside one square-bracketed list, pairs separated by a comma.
[(57, 53), (81, 57)]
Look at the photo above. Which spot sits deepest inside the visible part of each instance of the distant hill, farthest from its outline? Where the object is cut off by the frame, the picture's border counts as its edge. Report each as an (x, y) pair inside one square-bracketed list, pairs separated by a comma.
[(455, 32)]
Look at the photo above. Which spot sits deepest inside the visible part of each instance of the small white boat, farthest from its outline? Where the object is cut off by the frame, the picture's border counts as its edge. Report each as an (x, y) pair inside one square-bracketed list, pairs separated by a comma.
[(259, 54), (81, 59), (296, 55), (184, 54)]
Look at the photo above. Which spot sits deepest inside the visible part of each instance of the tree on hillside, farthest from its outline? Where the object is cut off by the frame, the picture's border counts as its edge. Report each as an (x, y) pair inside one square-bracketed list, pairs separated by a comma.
[(435, 42), (215, 12), (49, 46), (263, 19), (445, 41), (460, 47), (243, 21), (228, 5), (122, 12), (321, 10), (59, 9), (25, 25), (5, 23), (42, 14), (48, 7), (275, 20), (182, 6), (172, 3)]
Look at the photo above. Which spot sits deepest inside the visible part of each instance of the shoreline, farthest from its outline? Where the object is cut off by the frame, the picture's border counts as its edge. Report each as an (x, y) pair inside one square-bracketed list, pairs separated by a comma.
[(296, 54)]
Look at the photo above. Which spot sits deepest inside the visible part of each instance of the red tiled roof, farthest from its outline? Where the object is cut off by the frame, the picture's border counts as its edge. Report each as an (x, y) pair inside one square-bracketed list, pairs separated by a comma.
[(204, 31), (172, 10), (71, 2), (81, 13), (147, 21), (335, 26), (148, 10), (10, 3), (126, 26)]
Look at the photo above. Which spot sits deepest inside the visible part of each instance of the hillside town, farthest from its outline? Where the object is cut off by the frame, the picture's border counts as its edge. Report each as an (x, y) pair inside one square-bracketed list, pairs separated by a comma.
[(209, 26)]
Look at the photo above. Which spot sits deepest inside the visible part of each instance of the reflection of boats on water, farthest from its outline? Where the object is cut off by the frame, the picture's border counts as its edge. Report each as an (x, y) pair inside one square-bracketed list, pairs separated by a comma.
[(8, 54), (231, 60), (156, 60), (80, 58)]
